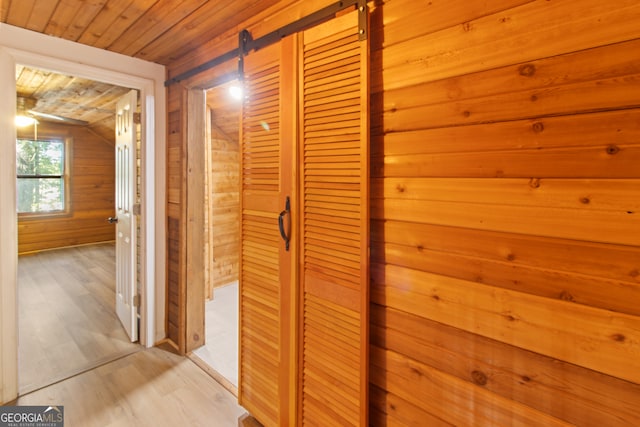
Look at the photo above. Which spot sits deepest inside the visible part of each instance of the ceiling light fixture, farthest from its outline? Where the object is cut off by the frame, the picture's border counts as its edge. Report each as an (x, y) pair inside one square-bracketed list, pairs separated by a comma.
[(235, 92), (24, 121), (23, 105), (23, 116)]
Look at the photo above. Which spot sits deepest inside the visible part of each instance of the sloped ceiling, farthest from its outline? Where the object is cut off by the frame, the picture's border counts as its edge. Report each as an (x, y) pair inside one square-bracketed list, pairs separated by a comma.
[(71, 97), (154, 30)]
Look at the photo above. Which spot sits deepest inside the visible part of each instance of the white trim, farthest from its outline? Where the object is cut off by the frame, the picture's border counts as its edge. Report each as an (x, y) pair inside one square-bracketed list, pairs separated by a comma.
[(8, 233), (19, 46)]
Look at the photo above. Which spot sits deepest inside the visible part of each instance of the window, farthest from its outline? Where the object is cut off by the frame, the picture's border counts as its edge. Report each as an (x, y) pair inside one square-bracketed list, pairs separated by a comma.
[(41, 184)]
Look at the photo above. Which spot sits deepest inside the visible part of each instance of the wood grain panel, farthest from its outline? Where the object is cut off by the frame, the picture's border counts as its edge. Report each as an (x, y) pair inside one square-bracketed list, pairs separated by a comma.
[(602, 195), (176, 213), (399, 25), (82, 18), (604, 343), (21, 14), (173, 280), (602, 94), (606, 161), (546, 29), (388, 409), (615, 295), (153, 24), (578, 131), (194, 284), (112, 22), (618, 263), (597, 226), (466, 404), (211, 19), (63, 16), (522, 78), (529, 378)]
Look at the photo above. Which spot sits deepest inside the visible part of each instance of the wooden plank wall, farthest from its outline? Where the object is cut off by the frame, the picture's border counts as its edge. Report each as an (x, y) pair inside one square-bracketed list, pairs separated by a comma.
[(505, 188), (92, 195), (176, 207), (224, 185), (505, 229)]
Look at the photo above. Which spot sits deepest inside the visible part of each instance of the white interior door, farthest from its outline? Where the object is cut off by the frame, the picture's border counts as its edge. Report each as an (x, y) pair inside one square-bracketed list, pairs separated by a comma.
[(125, 219)]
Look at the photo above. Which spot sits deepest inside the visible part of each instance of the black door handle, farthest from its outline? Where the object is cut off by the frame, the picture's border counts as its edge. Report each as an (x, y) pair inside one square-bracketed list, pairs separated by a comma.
[(112, 219), (285, 234)]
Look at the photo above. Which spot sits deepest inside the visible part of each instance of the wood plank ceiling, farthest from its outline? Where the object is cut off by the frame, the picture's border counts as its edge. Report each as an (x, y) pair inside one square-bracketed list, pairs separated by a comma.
[(155, 30), (159, 31), (70, 97)]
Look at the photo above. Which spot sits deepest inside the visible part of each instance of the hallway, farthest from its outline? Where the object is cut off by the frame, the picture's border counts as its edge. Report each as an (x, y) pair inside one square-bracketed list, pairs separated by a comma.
[(73, 352), (151, 387)]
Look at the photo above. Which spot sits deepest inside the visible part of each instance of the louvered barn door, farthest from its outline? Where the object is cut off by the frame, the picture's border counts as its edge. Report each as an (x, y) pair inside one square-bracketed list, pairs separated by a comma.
[(335, 229), (265, 303)]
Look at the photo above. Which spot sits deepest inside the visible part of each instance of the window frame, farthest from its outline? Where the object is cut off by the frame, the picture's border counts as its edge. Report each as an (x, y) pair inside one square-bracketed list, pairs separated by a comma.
[(67, 144)]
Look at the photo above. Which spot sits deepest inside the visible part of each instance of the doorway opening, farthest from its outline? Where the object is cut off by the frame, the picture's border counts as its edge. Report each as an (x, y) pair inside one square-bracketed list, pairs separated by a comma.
[(39, 51), (66, 253), (221, 222)]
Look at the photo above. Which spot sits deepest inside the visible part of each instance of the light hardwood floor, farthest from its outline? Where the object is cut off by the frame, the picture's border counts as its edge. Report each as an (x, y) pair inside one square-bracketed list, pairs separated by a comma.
[(66, 314), (151, 387)]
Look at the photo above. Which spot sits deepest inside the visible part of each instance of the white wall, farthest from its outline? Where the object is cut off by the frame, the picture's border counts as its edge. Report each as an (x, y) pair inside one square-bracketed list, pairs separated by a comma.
[(18, 46)]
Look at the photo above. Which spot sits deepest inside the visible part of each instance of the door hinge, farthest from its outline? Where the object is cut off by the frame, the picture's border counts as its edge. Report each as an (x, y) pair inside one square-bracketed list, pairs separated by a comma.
[(137, 118), (136, 300)]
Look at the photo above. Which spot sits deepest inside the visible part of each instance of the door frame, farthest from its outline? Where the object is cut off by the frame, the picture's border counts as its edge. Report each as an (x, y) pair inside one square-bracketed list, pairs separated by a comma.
[(19, 46)]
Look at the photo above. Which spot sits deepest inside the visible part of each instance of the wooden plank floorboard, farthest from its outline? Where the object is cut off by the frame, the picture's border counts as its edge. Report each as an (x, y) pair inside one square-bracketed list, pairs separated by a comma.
[(67, 320), (151, 387)]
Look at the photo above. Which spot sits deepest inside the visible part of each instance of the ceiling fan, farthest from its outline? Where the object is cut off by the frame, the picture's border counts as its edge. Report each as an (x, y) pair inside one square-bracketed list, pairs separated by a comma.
[(25, 108)]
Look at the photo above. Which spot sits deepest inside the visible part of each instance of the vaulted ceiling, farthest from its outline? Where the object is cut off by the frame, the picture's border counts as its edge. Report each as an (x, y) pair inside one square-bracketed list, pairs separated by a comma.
[(159, 31)]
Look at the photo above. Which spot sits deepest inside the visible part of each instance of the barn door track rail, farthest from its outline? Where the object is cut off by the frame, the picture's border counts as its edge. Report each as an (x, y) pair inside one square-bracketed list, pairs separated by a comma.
[(246, 43)]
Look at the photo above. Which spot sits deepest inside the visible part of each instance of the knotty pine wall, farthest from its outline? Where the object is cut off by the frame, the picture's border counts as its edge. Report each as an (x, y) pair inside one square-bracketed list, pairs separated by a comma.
[(176, 206), (222, 192), (91, 194), (505, 251)]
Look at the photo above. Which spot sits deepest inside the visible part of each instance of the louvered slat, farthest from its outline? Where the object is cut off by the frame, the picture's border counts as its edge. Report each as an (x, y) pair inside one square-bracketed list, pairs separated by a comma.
[(334, 225), (260, 314)]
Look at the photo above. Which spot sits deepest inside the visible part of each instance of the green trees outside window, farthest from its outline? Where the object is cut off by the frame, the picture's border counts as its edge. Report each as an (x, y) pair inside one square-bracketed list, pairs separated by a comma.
[(41, 176)]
